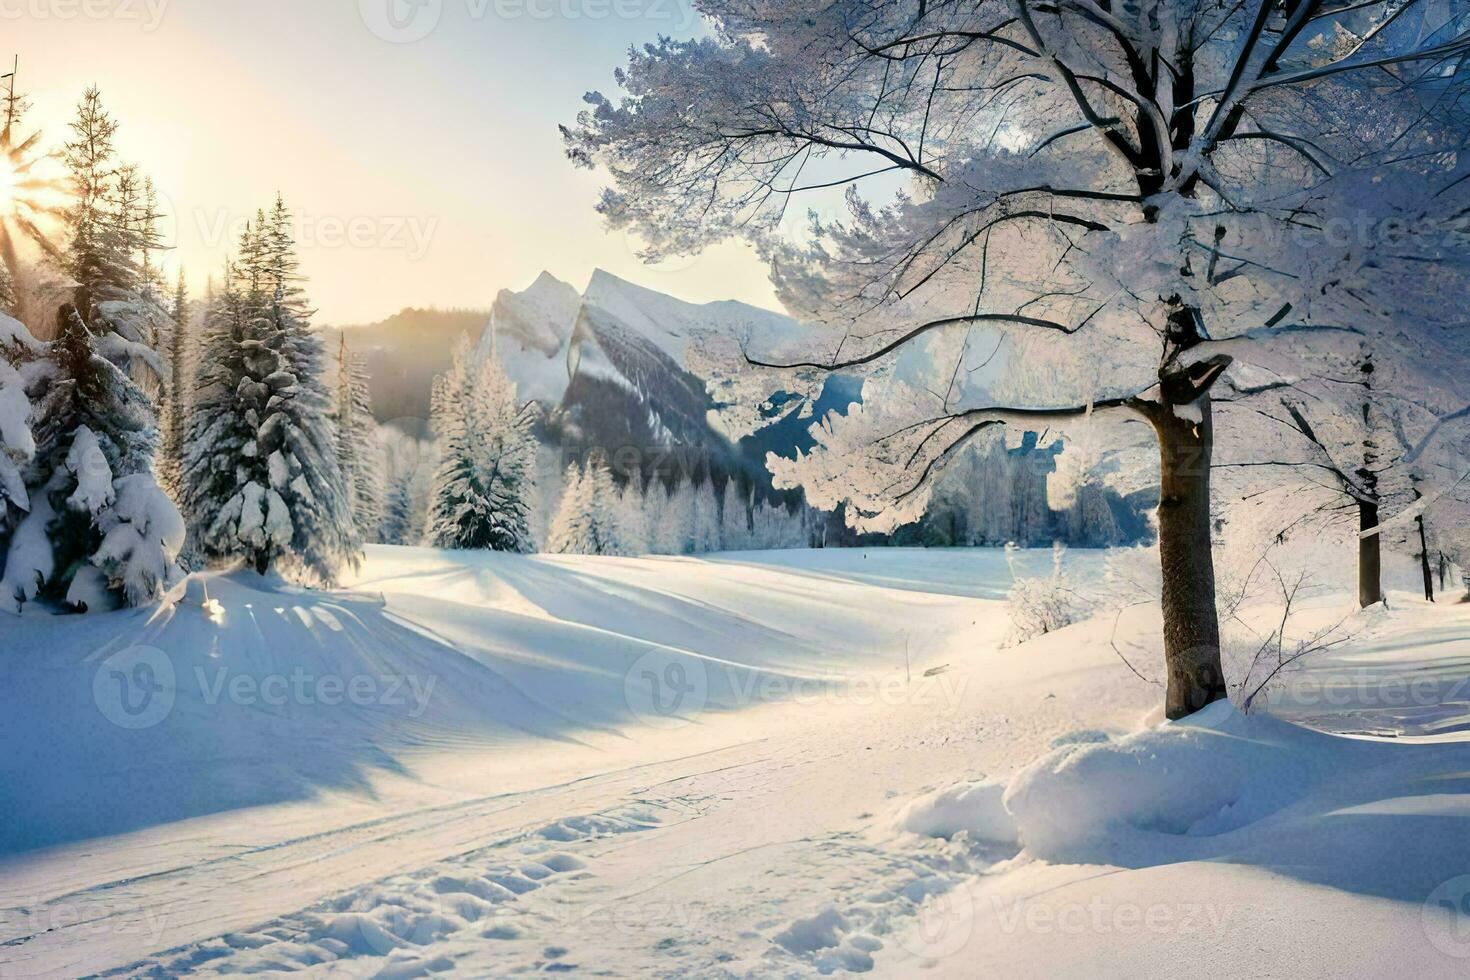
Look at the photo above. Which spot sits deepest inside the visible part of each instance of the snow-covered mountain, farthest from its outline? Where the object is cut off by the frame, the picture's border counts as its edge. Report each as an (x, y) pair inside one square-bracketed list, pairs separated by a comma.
[(610, 363)]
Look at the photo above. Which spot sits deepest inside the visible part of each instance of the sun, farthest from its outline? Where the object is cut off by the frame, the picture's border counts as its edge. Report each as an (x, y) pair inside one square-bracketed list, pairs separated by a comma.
[(32, 190)]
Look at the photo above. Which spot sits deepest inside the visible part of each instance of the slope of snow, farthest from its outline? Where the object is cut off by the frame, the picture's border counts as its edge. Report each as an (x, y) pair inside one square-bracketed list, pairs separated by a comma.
[(786, 764)]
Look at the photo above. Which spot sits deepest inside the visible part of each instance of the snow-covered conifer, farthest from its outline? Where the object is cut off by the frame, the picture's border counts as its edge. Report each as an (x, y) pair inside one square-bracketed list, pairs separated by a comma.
[(586, 520), (734, 521), (656, 514), (261, 478), (706, 537), (398, 524), (483, 488), (111, 230), (409, 465), (359, 453), (18, 350), (177, 393), (100, 507), (674, 533), (634, 530)]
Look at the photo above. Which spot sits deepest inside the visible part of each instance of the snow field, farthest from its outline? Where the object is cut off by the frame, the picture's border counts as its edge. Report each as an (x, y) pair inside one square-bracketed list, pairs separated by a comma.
[(845, 774)]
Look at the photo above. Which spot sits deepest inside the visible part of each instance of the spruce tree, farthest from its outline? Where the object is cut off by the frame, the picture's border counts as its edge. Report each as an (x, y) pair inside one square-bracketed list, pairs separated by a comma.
[(106, 524), (734, 522), (634, 530), (706, 537), (18, 354), (586, 521), (656, 515), (93, 259), (99, 528), (261, 479), (358, 453), (111, 228), (674, 534), (177, 393), (481, 496), (398, 524)]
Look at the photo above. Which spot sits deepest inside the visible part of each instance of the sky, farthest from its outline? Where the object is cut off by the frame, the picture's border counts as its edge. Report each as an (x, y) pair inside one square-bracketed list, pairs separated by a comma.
[(416, 139)]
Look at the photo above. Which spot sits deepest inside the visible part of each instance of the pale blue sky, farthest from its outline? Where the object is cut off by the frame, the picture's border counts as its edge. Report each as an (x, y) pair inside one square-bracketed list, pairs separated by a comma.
[(427, 172)]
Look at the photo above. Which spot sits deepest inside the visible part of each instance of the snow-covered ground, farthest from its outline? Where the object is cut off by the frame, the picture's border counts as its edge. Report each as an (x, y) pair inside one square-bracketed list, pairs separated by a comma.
[(778, 764)]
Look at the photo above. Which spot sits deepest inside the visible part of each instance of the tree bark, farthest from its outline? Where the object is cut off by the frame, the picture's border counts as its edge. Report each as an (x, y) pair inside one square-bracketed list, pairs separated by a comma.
[(1191, 624), (1424, 560), (1370, 558)]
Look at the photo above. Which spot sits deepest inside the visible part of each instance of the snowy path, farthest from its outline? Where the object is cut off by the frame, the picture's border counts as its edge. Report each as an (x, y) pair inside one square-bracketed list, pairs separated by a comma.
[(541, 817)]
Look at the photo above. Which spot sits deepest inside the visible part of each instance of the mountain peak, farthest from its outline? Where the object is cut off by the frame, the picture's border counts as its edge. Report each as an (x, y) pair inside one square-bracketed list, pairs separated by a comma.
[(546, 282)]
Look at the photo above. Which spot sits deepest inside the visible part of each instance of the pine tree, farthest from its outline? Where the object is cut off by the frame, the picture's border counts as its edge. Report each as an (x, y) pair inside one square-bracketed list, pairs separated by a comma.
[(656, 516), (261, 478), (572, 525), (17, 445), (276, 264), (634, 529), (180, 385), (482, 489), (706, 536), (586, 519), (675, 532), (106, 524), (358, 452), (776, 528), (398, 523), (101, 270), (734, 521), (409, 466), (112, 229), (149, 244), (99, 528)]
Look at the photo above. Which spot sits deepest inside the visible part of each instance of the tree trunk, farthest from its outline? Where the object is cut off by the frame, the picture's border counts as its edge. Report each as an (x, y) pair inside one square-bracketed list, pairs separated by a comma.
[(1191, 624), (262, 562), (1424, 560), (1370, 560)]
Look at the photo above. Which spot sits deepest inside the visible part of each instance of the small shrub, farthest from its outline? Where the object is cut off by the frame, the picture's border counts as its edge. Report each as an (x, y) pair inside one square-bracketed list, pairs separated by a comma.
[(1038, 606)]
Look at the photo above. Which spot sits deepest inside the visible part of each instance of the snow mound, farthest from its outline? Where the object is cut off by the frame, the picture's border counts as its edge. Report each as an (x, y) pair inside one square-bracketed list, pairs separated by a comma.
[(1201, 787), (973, 808)]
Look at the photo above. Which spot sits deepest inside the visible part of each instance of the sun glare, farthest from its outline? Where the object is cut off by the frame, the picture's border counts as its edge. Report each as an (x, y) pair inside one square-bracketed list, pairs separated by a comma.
[(8, 181)]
